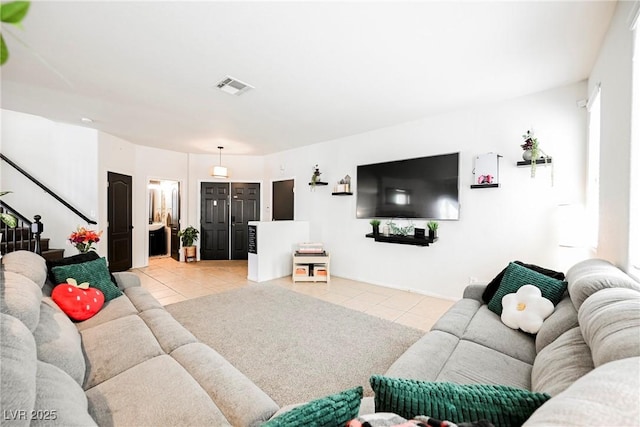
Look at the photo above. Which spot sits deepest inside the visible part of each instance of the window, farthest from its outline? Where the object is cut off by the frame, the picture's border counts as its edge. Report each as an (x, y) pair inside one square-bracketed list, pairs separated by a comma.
[(593, 168)]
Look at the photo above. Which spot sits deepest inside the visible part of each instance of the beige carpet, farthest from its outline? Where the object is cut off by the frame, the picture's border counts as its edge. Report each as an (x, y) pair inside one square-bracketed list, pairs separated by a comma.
[(293, 346)]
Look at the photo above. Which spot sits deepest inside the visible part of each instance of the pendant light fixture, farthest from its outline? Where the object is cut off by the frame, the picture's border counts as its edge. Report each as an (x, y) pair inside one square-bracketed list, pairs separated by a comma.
[(220, 171)]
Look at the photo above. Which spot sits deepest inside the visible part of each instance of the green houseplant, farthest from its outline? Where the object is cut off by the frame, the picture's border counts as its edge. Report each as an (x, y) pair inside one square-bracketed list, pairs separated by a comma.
[(12, 13), (433, 229), (188, 236), (8, 219), (375, 224)]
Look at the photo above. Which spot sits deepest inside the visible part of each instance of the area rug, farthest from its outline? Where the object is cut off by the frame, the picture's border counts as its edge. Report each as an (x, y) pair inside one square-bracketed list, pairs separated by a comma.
[(293, 346)]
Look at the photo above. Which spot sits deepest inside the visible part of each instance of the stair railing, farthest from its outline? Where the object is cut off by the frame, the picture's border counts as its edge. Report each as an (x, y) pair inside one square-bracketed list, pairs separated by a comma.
[(26, 234), (47, 189)]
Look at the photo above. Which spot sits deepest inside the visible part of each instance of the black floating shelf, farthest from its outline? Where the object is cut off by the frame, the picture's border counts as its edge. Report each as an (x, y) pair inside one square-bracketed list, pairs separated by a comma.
[(342, 193), (538, 162), (485, 186), (319, 183), (402, 240)]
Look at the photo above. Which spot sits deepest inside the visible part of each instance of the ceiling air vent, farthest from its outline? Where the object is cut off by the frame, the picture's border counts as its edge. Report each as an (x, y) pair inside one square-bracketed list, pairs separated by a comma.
[(233, 86)]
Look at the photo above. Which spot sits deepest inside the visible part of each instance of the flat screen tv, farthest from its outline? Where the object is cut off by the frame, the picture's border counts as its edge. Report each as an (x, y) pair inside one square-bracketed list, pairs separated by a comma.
[(424, 187)]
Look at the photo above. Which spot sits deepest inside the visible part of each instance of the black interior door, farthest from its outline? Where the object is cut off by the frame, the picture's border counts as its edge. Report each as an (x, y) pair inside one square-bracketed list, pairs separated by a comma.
[(282, 194), (245, 207), (214, 221), (119, 216)]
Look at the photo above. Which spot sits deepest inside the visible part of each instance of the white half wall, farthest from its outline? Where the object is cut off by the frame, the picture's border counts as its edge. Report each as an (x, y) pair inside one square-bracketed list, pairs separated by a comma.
[(519, 220)]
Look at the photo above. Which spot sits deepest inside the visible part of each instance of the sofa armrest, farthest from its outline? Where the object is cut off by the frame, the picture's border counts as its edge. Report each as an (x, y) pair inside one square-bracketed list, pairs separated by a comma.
[(126, 280), (474, 292)]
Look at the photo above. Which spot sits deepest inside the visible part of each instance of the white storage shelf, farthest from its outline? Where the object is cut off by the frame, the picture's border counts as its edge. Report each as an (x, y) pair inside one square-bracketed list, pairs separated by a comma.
[(311, 268)]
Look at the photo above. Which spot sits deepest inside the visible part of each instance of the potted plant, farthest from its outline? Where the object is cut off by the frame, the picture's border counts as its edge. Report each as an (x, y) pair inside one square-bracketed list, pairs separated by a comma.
[(315, 177), (8, 219), (532, 151), (433, 230), (375, 223), (188, 236)]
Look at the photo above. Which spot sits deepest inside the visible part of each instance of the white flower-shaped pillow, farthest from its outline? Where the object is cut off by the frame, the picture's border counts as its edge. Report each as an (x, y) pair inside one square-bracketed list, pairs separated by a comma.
[(526, 309)]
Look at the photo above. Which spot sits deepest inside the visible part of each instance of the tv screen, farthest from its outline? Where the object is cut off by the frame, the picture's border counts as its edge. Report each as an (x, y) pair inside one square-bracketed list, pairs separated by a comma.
[(424, 187)]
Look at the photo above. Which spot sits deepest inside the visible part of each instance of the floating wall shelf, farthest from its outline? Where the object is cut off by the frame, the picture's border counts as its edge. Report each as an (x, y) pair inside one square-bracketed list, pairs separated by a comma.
[(402, 240), (319, 183), (538, 162), (342, 193), (485, 186)]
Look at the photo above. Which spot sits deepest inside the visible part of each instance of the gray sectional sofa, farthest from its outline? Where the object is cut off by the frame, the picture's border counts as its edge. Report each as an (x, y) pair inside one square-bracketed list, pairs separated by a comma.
[(133, 364), (586, 354)]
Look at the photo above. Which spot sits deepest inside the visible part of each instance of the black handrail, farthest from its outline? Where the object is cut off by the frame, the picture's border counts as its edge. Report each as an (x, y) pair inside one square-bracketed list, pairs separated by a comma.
[(47, 190)]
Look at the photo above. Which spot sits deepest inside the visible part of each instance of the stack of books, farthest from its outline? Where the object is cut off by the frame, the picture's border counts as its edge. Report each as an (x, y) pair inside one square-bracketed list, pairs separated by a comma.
[(311, 249)]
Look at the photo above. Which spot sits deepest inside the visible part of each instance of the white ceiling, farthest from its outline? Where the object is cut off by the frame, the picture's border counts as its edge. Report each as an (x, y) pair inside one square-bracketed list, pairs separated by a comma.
[(146, 71)]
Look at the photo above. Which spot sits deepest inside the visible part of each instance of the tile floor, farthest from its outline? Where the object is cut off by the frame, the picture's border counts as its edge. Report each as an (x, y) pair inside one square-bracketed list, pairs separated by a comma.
[(171, 281)]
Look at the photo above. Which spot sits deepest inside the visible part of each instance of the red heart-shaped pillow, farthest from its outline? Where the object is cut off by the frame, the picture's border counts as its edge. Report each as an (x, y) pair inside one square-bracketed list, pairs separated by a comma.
[(77, 303)]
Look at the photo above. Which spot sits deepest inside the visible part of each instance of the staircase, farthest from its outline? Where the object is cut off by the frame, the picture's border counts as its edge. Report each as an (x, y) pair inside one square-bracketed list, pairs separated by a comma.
[(21, 238)]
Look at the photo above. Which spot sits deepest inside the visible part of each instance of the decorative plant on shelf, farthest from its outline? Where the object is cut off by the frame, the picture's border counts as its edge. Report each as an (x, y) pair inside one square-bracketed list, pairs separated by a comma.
[(188, 236), (8, 219), (375, 224), (315, 177), (433, 229), (400, 231), (532, 151)]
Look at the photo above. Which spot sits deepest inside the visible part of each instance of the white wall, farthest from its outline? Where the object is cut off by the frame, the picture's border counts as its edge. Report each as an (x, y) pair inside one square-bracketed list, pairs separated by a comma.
[(516, 221), (64, 158), (613, 70)]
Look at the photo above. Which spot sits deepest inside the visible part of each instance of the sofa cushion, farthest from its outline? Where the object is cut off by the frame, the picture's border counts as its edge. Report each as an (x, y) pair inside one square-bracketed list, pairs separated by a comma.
[(74, 259), (142, 298), (58, 341), (516, 276), (241, 401), (113, 347), (114, 309), (169, 333), (563, 318), (28, 264), (494, 284), (457, 318), (329, 411), (59, 399), (18, 355), (606, 396), (501, 405), (525, 309), (561, 363), (472, 363), (610, 324), (95, 272), (425, 358), (20, 298), (589, 276), (487, 329), (159, 392)]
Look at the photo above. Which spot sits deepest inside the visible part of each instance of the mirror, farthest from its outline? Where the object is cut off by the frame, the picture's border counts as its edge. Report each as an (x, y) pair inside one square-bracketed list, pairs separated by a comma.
[(164, 217)]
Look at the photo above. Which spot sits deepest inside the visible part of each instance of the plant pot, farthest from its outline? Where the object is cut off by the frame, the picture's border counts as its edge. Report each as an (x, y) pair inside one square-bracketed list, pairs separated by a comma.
[(376, 230), (189, 253), (527, 155), (433, 234)]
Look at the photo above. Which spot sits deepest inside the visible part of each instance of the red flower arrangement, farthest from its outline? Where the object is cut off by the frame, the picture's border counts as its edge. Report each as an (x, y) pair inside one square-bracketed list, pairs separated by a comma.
[(83, 239)]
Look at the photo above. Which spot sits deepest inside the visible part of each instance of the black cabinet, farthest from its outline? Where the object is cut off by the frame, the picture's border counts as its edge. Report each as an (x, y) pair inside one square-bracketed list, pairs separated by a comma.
[(157, 242)]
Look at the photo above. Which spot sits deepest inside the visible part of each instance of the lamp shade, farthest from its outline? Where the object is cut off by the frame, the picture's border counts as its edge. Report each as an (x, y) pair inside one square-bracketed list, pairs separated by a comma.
[(219, 172)]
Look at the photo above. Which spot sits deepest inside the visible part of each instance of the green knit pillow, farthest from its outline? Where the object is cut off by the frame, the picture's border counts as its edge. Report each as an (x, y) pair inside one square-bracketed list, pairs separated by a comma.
[(331, 411), (501, 405), (516, 276), (95, 272)]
